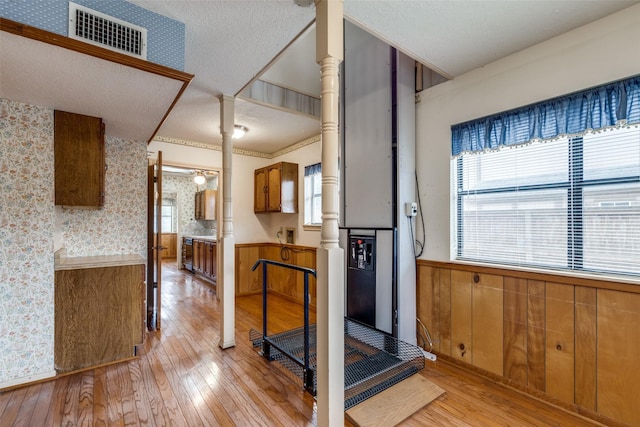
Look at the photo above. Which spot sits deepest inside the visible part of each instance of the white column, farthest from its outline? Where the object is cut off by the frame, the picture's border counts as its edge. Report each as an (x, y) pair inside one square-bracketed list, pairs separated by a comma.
[(226, 250), (330, 257)]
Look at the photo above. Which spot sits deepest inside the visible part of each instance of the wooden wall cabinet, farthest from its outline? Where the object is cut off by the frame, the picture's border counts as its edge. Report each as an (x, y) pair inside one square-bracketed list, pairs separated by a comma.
[(276, 188), (205, 204), (99, 315), (79, 160)]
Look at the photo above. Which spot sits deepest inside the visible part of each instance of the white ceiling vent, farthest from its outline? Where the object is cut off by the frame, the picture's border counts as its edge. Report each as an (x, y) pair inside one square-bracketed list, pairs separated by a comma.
[(106, 31)]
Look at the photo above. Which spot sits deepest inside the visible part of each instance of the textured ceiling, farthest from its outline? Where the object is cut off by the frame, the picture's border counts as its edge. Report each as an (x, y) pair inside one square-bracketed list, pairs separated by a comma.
[(132, 102), (229, 43)]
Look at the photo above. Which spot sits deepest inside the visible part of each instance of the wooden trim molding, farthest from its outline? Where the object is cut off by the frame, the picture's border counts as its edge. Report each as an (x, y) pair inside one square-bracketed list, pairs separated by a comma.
[(606, 282), (44, 36)]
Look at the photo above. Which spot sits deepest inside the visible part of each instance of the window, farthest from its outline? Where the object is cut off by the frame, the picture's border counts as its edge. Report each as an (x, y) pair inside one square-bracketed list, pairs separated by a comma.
[(566, 202), (168, 213), (313, 194)]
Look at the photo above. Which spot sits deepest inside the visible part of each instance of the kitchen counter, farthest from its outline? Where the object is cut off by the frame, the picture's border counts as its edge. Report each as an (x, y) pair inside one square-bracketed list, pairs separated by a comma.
[(207, 238), (62, 262)]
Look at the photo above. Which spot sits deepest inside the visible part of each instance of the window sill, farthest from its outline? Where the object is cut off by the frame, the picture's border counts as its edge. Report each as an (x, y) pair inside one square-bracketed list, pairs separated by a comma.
[(311, 227)]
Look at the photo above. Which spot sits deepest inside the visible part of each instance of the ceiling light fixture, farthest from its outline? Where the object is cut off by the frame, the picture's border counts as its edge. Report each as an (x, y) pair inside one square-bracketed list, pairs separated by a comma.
[(199, 178), (239, 131)]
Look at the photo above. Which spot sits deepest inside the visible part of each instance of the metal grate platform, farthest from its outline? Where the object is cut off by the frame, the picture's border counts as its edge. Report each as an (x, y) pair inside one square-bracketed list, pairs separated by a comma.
[(373, 360)]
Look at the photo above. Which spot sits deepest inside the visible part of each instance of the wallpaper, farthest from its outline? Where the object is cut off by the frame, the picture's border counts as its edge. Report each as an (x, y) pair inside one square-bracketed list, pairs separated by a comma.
[(31, 228), (26, 241), (185, 189), (120, 227)]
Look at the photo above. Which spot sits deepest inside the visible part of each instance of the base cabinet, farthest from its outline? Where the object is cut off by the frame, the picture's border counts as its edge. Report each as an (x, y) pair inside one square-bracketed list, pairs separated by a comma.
[(205, 258), (99, 315)]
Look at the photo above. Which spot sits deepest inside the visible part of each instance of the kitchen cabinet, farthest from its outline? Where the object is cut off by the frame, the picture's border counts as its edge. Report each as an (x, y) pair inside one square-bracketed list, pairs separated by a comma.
[(205, 204), (79, 160), (205, 258), (276, 188), (99, 310)]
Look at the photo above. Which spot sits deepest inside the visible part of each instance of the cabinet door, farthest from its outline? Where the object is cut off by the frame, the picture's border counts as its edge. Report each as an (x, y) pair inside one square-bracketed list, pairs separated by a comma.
[(78, 160), (197, 211), (273, 196), (260, 190), (207, 259), (197, 256), (289, 188), (202, 256), (208, 204)]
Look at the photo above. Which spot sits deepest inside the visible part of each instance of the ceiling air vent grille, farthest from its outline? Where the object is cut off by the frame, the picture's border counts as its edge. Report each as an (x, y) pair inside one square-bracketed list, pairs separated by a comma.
[(106, 31)]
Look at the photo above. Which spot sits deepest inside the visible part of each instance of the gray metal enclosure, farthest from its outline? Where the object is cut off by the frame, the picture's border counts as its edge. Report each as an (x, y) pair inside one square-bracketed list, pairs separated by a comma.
[(377, 174)]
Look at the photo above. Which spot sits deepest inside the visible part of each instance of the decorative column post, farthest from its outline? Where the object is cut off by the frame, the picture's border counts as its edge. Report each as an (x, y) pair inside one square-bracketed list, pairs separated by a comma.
[(330, 257), (226, 253)]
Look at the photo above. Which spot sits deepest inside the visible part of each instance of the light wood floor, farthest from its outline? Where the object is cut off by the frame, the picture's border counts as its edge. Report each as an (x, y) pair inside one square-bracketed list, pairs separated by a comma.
[(183, 378)]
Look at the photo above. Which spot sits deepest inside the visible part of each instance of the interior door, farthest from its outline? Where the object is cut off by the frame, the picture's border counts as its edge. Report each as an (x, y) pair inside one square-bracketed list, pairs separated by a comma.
[(154, 243)]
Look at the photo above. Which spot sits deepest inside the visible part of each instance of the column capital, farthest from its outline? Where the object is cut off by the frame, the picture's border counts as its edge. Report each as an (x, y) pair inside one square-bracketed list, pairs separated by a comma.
[(329, 31), (227, 108)]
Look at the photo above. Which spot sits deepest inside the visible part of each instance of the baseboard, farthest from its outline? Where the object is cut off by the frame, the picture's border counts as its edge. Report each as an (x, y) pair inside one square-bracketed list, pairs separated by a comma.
[(6, 385)]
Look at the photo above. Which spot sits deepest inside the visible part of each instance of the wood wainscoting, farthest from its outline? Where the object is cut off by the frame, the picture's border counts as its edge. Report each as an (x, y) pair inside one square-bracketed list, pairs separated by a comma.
[(287, 283), (573, 339)]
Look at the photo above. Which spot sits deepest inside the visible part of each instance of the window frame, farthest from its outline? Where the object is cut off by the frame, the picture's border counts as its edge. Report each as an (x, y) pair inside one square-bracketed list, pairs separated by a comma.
[(575, 186), (310, 182)]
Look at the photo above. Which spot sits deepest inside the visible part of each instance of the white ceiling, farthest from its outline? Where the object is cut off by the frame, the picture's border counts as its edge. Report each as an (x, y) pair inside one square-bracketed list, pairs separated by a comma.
[(229, 43)]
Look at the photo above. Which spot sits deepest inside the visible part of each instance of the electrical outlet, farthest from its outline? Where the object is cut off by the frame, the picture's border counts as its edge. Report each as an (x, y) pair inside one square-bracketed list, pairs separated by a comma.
[(411, 209), (429, 356)]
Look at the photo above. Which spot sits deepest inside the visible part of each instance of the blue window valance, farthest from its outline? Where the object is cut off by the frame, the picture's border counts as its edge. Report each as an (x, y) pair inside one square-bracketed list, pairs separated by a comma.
[(313, 169), (594, 108)]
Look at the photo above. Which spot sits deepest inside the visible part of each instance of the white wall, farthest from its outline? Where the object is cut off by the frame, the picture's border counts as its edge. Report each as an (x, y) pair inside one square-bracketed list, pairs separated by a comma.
[(249, 227), (600, 52)]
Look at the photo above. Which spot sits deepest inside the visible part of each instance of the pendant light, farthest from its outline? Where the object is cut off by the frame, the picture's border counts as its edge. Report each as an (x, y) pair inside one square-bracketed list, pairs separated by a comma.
[(199, 179)]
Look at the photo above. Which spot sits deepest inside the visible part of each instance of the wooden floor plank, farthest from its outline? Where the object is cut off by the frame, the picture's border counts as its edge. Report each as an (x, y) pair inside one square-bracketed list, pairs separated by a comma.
[(85, 405), (100, 396), (143, 402), (183, 378), (40, 409), (30, 401)]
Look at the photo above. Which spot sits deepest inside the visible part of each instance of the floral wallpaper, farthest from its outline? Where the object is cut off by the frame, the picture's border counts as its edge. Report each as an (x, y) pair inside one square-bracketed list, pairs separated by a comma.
[(26, 237), (32, 228), (184, 190), (120, 227)]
